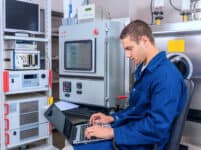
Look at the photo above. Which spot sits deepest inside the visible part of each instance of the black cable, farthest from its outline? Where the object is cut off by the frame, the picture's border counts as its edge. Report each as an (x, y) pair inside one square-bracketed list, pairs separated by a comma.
[(151, 9), (177, 9)]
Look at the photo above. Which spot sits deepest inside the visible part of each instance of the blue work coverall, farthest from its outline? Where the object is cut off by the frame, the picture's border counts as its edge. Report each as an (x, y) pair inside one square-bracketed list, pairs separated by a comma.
[(157, 97)]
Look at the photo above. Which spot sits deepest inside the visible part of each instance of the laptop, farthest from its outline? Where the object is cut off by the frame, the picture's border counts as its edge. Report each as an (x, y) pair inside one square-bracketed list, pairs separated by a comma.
[(71, 126)]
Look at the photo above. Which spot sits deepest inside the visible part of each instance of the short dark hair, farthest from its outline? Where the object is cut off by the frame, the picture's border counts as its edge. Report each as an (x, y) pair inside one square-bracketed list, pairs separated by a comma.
[(136, 29)]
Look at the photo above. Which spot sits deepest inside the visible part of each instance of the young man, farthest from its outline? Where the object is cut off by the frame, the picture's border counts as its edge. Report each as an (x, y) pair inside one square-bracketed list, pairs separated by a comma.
[(157, 97)]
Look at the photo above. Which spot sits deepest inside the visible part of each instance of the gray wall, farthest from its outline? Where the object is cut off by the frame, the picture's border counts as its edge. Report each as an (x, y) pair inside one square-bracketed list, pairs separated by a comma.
[(138, 9), (131, 8), (117, 8), (57, 5)]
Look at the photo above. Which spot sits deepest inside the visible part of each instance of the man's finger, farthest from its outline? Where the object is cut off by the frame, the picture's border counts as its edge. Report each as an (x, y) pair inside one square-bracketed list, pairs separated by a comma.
[(94, 116)]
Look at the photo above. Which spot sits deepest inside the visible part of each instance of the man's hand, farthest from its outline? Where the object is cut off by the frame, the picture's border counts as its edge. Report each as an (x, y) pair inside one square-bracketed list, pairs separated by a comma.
[(100, 118), (99, 132)]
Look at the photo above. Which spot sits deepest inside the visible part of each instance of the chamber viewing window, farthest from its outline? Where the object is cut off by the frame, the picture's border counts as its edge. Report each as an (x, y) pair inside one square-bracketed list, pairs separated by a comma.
[(183, 63), (78, 55)]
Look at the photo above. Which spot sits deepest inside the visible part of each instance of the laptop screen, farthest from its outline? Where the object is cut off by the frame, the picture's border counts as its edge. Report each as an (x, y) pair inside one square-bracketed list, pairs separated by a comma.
[(62, 121), (56, 117)]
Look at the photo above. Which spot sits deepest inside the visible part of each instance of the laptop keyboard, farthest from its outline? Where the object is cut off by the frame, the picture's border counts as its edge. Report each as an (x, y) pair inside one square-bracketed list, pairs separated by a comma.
[(81, 134), (82, 131)]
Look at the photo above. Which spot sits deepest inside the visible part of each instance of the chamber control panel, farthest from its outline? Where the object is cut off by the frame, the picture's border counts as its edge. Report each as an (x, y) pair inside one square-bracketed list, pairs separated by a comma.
[(67, 87), (82, 91)]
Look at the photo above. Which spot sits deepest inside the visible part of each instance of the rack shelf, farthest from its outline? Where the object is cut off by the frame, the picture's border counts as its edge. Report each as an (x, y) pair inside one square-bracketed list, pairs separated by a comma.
[(7, 37), (45, 38)]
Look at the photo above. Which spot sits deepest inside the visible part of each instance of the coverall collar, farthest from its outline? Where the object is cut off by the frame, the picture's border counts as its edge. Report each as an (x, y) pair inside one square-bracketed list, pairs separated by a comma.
[(156, 61), (153, 64)]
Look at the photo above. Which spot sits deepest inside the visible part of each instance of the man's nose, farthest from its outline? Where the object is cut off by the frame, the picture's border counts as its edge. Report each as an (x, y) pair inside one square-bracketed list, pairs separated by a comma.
[(128, 54)]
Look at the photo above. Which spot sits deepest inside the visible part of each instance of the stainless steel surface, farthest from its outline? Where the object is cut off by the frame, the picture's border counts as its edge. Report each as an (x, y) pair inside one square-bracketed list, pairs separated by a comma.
[(196, 98), (28, 123), (105, 81), (192, 47), (190, 32), (176, 28), (105, 43)]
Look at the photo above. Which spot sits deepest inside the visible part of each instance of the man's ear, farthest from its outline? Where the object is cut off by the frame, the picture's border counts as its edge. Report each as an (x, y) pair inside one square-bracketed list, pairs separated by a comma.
[(144, 41)]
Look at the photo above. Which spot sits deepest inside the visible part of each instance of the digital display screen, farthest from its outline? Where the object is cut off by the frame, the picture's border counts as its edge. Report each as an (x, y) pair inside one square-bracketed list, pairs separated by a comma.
[(78, 55), (30, 76), (22, 15)]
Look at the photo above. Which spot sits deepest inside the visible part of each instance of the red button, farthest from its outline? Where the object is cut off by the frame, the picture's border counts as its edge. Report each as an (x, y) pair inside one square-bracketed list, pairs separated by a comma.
[(95, 32)]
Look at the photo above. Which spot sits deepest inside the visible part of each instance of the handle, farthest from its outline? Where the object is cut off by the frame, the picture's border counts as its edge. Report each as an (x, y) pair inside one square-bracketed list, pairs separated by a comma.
[(122, 97), (107, 70), (5, 81), (6, 109), (7, 139), (50, 78), (7, 124)]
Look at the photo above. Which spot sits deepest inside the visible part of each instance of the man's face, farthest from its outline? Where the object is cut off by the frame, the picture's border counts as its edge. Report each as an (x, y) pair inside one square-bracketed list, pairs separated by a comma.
[(134, 51)]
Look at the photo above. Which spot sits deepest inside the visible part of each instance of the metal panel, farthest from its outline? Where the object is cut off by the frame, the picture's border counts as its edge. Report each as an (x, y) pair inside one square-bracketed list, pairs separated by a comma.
[(190, 32), (29, 118), (2, 96), (27, 107), (196, 98), (192, 47), (92, 91), (29, 133), (44, 38), (109, 61), (26, 110), (72, 33), (175, 28)]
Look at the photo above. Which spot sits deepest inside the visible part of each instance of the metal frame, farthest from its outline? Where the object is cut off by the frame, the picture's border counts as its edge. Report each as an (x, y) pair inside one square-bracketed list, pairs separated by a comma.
[(177, 28), (48, 65), (2, 96)]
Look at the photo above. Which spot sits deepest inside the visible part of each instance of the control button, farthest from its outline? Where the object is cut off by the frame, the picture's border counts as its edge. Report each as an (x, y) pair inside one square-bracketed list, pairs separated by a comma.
[(79, 85), (43, 76), (14, 133), (79, 92), (67, 95), (67, 86), (12, 80)]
